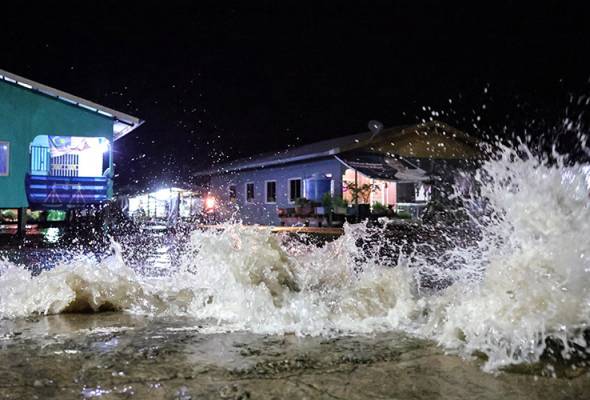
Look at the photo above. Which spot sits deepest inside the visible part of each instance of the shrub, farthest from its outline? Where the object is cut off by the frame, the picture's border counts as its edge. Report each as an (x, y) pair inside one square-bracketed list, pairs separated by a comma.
[(302, 202), (379, 208), (339, 202), (361, 192), (327, 201), (403, 215), (9, 215)]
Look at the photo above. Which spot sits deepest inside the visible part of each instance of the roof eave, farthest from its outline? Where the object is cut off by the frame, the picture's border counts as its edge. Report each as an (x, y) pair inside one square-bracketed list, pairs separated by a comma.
[(129, 120), (125, 131), (264, 164)]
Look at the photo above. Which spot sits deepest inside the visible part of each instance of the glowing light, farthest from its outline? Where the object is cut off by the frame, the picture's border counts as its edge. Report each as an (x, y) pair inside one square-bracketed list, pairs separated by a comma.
[(210, 202), (163, 194), (25, 85), (102, 146)]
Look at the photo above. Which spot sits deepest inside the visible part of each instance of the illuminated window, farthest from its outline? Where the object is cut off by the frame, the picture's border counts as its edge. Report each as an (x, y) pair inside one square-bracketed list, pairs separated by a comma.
[(294, 189), (4, 158), (271, 192), (249, 192)]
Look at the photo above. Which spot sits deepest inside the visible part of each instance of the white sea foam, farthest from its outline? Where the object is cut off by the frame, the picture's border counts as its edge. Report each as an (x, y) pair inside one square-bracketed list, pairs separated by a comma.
[(526, 279), (534, 258)]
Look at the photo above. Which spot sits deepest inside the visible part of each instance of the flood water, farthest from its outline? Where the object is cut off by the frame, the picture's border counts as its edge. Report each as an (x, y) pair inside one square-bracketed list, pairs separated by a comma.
[(116, 355), (496, 307)]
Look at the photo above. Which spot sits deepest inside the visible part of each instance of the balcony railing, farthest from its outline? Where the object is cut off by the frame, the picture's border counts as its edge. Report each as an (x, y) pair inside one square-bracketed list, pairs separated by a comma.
[(66, 191), (53, 181), (40, 160)]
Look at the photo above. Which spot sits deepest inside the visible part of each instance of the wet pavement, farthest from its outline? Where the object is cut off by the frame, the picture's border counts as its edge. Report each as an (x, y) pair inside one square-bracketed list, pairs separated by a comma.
[(121, 356)]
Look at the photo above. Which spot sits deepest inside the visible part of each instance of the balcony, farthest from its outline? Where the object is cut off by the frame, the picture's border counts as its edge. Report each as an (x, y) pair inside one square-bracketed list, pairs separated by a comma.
[(65, 178), (66, 191)]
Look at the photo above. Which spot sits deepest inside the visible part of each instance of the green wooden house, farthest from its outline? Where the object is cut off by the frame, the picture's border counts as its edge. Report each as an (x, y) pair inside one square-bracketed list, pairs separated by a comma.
[(56, 149)]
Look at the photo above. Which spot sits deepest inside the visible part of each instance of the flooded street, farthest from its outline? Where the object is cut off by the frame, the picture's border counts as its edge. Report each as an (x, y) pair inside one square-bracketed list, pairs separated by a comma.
[(264, 200), (383, 311), (118, 356)]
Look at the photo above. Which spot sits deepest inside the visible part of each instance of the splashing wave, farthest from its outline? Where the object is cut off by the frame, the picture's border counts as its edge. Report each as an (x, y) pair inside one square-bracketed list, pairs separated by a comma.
[(525, 279)]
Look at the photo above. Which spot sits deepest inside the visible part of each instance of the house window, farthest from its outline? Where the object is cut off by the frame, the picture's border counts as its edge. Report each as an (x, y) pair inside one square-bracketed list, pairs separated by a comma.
[(4, 158), (233, 194), (249, 192), (271, 192), (294, 189)]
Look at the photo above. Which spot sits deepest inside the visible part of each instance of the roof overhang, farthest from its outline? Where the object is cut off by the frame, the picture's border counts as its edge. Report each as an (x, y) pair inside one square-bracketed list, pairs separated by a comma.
[(383, 167), (263, 164), (123, 123)]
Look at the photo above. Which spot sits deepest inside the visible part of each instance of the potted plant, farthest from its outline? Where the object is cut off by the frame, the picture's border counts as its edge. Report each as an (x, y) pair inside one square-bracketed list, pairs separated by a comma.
[(326, 206), (339, 205), (361, 195), (379, 210), (303, 207)]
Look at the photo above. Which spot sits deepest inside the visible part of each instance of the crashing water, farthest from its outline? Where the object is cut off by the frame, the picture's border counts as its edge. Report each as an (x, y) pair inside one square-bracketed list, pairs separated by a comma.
[(525, 279)]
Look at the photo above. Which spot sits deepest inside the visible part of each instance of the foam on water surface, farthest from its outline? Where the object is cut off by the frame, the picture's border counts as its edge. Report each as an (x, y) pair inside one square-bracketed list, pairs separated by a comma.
[(525, 279)]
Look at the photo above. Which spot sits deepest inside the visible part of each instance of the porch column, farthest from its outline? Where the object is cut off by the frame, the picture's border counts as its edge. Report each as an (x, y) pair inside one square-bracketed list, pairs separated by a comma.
[(357, 218), (110, 176)]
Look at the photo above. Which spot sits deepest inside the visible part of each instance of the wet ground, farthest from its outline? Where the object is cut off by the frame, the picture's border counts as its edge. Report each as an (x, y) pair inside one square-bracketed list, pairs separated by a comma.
[(120, 356)]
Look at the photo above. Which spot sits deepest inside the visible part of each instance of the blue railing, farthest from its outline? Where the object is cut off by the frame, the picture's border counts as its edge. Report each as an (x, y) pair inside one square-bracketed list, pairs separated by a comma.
[(43, 163), (66, 191), (40, 160)]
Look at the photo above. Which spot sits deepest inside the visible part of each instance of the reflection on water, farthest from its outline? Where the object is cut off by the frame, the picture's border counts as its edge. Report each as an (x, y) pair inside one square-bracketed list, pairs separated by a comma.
[(125, 356), (151, 251)]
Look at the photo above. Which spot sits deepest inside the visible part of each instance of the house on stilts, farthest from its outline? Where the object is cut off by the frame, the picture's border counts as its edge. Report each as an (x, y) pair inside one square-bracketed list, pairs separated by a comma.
[(56, 149)]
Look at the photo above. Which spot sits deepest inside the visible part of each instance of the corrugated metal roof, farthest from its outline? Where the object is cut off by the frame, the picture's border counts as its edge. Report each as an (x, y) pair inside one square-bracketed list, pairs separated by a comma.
[(332, 147), (309, 151), (124, 123)]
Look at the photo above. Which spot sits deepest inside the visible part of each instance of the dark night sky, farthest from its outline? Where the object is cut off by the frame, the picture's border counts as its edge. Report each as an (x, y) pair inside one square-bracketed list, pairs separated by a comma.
[(219, 79)]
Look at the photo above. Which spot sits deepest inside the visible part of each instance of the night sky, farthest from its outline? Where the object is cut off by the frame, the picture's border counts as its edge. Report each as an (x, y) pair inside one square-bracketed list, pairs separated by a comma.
[(219, 80)]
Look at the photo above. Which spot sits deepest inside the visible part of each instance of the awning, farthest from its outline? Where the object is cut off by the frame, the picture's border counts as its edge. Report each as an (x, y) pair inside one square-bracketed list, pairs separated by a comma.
[(383, 167)]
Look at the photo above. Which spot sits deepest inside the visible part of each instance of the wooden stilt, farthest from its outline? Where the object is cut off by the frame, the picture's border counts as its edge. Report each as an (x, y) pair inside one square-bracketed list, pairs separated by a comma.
[(21, 223)]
